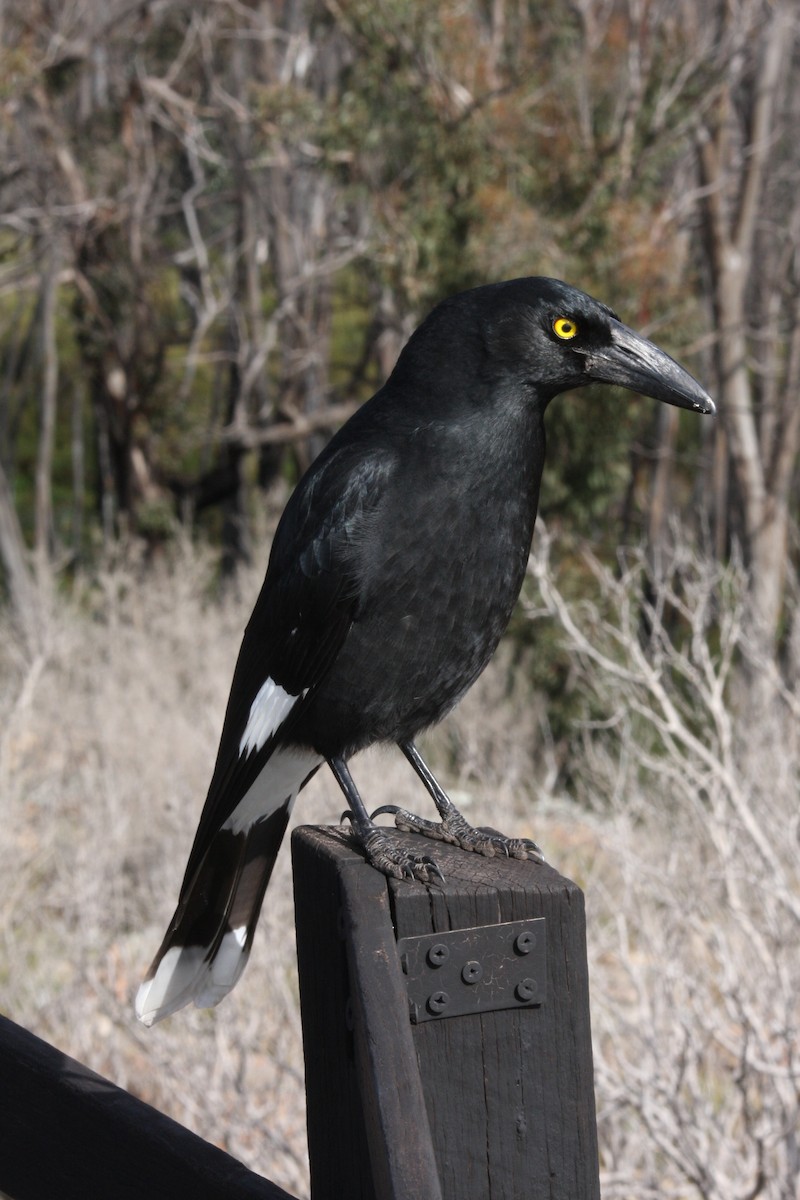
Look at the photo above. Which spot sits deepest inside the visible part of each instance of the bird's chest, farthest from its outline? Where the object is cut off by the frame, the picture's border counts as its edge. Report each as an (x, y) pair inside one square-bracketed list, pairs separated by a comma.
[(442, 580), (456, 563), (463, 529)]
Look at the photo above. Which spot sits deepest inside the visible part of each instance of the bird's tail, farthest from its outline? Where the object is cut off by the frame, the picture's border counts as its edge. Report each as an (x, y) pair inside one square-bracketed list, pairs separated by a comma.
[(208, 941)]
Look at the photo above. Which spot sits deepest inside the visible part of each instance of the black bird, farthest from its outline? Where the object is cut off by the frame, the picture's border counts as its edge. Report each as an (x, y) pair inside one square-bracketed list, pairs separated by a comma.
[(392, 577)]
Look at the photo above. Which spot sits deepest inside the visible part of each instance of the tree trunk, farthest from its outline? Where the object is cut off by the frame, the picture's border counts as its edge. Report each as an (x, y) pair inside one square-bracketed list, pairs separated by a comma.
[(47, 409), (78, 454), (737, 146), (14, 557), (658, 509)]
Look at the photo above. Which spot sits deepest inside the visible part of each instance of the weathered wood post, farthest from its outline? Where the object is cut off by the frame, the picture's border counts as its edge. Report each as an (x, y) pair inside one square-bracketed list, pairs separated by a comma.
[(446, 1029)]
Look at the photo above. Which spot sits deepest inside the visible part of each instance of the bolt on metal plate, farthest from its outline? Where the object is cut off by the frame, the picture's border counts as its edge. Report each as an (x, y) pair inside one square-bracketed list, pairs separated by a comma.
[(484, 969)]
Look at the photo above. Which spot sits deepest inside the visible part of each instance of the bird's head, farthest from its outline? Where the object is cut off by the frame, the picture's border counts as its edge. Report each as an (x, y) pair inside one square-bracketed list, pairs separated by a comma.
[(554, 337)]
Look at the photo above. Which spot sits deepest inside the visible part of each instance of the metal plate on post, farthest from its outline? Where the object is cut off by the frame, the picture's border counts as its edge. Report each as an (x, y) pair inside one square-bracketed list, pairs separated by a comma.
[(476, 970)]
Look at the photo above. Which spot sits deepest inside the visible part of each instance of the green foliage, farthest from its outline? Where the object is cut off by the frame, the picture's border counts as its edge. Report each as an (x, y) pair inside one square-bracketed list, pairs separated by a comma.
[(419, 164), (588, 460), (458, 157)]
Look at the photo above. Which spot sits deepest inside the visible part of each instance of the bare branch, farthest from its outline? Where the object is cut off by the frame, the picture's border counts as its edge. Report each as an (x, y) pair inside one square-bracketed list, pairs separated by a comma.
[(300, 427)]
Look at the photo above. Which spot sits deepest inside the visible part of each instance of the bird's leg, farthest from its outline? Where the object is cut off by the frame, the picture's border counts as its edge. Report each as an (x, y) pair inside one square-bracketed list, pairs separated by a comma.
[(382, 850), (454, 827)]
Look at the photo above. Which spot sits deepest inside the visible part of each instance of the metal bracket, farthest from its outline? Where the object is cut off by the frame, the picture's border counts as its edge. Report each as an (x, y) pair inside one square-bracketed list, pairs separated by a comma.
[(476, 970)]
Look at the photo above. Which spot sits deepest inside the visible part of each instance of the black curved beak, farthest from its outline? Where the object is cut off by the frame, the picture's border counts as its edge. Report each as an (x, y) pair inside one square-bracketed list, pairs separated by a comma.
[(632, 362)]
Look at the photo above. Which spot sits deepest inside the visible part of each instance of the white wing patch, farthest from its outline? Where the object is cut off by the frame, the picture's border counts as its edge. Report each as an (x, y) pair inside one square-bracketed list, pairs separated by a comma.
[(270, 708), (281, 776)]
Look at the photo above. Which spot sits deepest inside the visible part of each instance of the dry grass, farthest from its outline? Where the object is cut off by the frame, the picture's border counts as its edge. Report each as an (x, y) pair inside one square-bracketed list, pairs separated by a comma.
[(107, 737), (694, 897)]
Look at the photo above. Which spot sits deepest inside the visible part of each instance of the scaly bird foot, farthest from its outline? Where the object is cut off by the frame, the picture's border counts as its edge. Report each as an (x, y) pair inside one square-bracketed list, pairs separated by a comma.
[(387, 856), (458, 832)]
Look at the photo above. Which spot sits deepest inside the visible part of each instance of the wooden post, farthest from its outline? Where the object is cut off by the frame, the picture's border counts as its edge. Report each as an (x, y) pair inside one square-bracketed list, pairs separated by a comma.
[(495, 1104)]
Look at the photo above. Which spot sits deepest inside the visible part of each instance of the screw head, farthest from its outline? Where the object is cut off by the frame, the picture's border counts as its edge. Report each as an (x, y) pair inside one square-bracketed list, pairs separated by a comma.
[(438, 954), (472, 971), (526, 990), (525, 942), (438, 1002)]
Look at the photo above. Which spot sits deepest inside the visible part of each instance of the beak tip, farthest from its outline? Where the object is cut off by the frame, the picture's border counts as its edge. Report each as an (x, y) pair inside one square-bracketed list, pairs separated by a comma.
[(633, 362)]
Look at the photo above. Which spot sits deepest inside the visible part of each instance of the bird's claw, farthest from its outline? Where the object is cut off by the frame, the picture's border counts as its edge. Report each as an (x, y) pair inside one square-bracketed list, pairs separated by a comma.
[(400, 863), (385, 808), (397, 861), (435, 869), (512, 847), (388, 857), (458, 832)]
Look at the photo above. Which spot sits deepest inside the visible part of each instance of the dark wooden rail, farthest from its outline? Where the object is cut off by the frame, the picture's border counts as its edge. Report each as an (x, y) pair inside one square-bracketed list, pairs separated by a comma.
[(496, 1104), (68, 1134), (406, 1101)]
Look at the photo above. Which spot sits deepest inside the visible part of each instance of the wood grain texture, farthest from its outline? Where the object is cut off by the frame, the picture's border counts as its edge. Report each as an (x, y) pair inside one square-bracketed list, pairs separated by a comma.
[(509, 1095), (368, 1130), (337, 1137)]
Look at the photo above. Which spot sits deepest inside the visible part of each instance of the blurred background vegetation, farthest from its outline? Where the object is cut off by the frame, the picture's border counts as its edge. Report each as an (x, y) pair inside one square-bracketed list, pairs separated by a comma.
[(219, 221)]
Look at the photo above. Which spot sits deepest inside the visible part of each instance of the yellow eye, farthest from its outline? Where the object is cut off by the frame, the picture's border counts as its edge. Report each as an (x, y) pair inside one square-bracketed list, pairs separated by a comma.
[(564, 328)]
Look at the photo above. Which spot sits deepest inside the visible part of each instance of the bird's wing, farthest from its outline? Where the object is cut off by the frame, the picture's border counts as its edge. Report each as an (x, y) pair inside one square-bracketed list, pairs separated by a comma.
[(300, 621)]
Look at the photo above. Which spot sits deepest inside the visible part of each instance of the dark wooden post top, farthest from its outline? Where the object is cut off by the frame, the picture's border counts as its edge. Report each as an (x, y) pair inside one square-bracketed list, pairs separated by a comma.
[(504, 1104)]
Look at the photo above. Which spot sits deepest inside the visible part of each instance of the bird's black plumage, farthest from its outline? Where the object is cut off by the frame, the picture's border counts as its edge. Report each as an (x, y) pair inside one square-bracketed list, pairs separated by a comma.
[(392, 577)]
